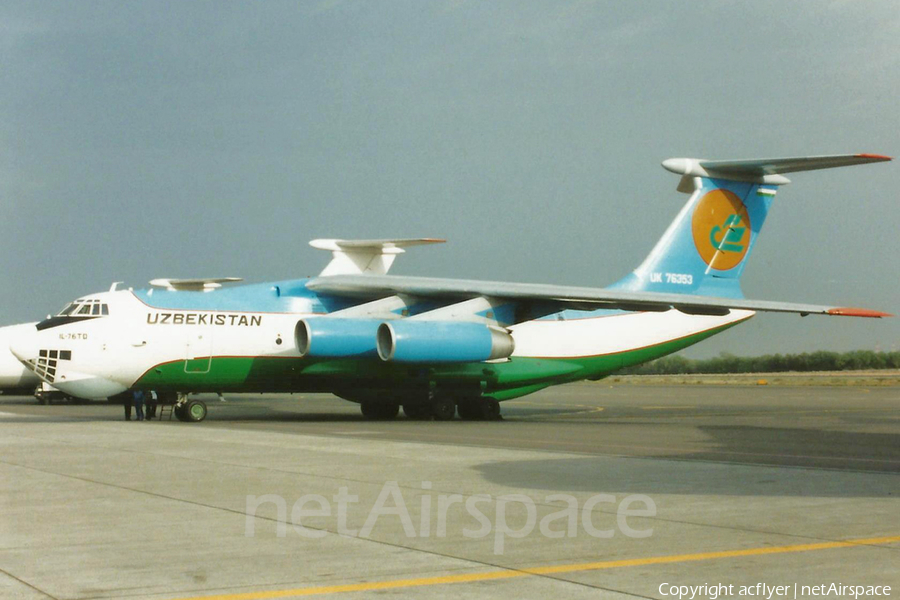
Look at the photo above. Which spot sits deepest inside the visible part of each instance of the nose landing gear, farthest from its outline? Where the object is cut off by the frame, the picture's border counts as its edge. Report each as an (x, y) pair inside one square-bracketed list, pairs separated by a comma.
[(189, 411)]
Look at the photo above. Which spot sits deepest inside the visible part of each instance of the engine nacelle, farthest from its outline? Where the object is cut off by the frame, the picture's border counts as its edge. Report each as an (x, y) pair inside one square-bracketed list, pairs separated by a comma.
[(322, 337), (412, 341)]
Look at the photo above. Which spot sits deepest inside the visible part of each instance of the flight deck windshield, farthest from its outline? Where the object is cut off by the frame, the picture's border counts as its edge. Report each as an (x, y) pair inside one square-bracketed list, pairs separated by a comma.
[(80, 310)]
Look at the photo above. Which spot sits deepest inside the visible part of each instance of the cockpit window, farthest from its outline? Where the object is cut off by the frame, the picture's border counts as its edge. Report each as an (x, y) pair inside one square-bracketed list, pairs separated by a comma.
[(82, 309), (93, 308)]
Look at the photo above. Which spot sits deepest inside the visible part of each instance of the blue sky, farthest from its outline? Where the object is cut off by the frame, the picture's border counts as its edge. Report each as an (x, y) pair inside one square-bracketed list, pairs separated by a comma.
[(152, 139)]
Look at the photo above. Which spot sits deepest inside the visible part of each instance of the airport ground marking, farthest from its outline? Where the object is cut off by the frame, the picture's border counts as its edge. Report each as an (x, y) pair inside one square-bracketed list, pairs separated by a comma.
[(546, 570)]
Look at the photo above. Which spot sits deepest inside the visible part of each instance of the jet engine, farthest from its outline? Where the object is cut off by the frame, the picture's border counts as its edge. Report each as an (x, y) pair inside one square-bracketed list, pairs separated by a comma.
[(335, 338), (410, 341)]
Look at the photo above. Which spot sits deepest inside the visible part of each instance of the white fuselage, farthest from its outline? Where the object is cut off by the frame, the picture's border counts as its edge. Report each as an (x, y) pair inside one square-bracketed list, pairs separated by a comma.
[(106, 355)]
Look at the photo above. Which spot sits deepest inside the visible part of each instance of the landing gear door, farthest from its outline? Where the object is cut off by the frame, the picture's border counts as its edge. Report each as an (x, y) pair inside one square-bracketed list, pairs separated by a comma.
[(198, 350)]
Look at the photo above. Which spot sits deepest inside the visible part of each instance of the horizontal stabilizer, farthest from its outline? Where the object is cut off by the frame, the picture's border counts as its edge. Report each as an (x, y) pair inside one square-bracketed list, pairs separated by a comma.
[(764, 170), (358, 257), (193, 285)]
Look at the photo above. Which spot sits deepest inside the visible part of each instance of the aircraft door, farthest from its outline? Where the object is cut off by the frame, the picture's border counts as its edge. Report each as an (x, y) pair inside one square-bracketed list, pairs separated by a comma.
[(198, 350)]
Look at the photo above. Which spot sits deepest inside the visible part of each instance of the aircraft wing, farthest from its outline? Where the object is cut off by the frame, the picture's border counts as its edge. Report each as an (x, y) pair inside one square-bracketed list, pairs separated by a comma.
[(373, 286)]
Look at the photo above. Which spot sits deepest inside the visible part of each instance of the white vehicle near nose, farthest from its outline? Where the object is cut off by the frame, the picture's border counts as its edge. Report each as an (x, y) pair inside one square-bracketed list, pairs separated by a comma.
[(15, 377)]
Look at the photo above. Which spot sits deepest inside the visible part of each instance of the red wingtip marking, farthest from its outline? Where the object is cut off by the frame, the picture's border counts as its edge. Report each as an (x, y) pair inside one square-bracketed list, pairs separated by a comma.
[(875, 156), (858, 312)]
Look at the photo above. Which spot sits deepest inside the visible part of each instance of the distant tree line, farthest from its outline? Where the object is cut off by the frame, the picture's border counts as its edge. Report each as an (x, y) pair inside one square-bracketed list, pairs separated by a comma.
[(856, 360)]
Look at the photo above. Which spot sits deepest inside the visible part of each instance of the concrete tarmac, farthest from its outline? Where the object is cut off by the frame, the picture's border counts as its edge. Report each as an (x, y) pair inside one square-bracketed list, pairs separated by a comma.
[(582, 491)]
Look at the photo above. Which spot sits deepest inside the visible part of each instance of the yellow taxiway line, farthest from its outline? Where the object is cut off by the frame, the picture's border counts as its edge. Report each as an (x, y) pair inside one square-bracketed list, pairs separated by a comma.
[(546, 570)]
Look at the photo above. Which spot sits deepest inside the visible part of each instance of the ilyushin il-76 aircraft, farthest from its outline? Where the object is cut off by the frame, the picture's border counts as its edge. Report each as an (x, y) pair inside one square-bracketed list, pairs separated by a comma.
[(436, 347)]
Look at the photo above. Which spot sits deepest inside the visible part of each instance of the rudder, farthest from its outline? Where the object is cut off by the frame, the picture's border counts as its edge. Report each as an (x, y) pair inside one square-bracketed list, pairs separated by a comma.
[(706, 248)]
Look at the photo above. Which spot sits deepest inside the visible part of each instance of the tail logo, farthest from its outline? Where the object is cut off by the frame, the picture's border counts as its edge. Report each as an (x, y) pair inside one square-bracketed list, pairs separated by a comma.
[(721, 229), (734, 233)]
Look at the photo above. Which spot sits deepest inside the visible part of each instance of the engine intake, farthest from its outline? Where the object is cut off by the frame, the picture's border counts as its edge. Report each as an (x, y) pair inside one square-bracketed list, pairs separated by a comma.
[(324, 337), (411, 341)]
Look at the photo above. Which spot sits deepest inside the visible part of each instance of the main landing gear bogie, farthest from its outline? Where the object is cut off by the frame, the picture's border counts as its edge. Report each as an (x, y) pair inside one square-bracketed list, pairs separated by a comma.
[(379, 411), (478, 409), (490, 409), (418, 411), (440, 408), (443, 408)]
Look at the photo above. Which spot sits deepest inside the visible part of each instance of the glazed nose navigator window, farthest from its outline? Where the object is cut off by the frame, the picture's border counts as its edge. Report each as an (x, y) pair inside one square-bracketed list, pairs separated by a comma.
[(45, 365)]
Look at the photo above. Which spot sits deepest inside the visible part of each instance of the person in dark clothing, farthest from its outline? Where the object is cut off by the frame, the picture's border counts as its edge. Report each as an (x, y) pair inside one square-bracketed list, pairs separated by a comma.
[(151, 400), (139, 404), (127, 401)]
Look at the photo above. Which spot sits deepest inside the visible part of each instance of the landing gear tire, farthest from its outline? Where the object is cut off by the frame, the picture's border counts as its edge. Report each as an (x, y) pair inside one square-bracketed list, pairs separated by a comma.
[(417, 411), (369, 409), (379, 410), (469, 409), (443, 408), (490, 409), (193, 411), (179, 410)]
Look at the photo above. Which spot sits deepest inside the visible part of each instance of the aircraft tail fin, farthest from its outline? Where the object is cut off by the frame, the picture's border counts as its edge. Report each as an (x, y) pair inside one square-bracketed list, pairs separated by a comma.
[(705, 249)]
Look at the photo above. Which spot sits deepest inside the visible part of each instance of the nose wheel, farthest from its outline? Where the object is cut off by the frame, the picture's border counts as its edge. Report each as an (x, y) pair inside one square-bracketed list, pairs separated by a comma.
[(190, 411)]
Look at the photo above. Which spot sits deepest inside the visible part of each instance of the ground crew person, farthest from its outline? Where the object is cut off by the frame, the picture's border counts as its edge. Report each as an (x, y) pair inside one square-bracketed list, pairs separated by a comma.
[(139, 404), (152, 401)]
